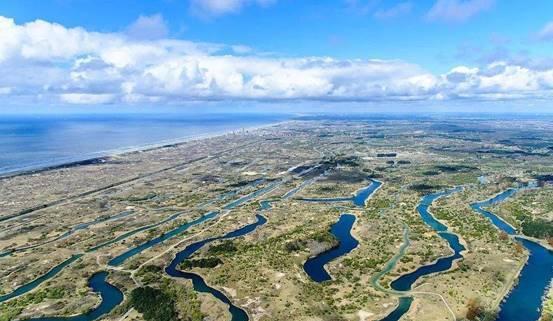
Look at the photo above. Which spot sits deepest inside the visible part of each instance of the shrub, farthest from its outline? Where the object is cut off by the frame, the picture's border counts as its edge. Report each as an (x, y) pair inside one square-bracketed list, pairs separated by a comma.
[(154, 304)]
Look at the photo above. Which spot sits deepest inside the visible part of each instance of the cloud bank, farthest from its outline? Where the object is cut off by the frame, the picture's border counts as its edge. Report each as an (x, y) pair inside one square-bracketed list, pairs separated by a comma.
[(45, 61)]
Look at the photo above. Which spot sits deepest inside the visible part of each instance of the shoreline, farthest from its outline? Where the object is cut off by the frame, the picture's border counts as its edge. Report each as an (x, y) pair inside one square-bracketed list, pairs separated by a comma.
[(419, 282), (106, 155), (513, 282)]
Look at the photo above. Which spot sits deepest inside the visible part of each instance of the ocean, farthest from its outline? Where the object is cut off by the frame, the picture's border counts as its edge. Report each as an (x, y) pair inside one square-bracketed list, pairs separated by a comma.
[(29, 142)]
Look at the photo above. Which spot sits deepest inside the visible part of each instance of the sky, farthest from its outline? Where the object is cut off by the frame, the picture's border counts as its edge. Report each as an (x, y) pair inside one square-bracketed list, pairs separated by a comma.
[(455, 55)]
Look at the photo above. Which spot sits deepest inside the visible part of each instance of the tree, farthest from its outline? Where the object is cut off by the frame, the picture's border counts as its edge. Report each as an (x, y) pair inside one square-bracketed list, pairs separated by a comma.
[(477, 312), (154, 304), (519, 249), (474, 310)]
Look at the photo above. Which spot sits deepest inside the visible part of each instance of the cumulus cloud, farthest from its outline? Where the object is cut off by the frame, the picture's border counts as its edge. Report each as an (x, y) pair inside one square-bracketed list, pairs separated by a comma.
[(213, 8), (46, 61), (458, 10)]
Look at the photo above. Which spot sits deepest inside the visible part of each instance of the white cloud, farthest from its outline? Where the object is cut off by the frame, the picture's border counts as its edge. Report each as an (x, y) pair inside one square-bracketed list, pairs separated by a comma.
[(458, 10), (546, 33), (398, 10), (241, 49), (213, 8), (148, 28), (86, 99), (5, 90), (43, 61)]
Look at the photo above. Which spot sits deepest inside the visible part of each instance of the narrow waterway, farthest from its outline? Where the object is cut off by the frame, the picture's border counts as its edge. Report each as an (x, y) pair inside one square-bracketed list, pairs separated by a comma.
[(315, 266), (123, 257), (525, 299), (58, 268), (496, 220), (199, 284), (38, 281), (405, 282), (27, 287), (110, 298), (359, 199), (133, 232), (403, 307), (390, 265), (237, 313), (70, 232)]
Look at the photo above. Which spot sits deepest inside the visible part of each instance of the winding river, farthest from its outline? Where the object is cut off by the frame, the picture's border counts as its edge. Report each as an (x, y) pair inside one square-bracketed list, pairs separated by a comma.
[(110, 298), (38, 281), (525, 299), (359, 199), (405, 283), (27, 287), (522, 303), (199, 284), (120, 259), (315, 266)]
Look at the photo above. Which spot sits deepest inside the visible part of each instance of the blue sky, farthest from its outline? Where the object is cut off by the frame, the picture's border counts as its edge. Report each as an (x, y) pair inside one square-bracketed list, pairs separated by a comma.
[(275, 50)]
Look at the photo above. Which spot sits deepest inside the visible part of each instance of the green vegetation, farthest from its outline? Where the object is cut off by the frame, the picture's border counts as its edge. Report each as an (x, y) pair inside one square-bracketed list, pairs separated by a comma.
[(168, 302), (263, 271), (320, 236), (538, 228), (140, 198), (243, 183), (154, 304), (9, 310), (477, 312), (223, 248), (425, 187), (518, 212), (294, 246), (209, 262), (328, 188), (455, 168), (324, 237), (347, 176), (430, 173), (150, 273)]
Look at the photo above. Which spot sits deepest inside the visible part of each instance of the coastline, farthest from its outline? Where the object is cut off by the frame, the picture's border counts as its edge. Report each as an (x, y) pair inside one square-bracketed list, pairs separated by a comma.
[(104, 156)]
